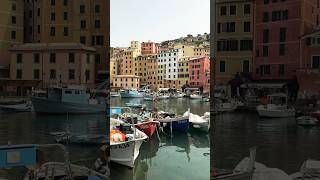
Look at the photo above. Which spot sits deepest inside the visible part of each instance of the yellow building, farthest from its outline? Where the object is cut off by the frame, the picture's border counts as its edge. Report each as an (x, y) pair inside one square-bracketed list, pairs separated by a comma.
[(187, 50), (161, 71), (126, 81), (11, 31), (136, 47), (183, 71), (127, 64), (85, 22), (201, 50), (233, 38), (152, 68), (140, 63), (113, 68)]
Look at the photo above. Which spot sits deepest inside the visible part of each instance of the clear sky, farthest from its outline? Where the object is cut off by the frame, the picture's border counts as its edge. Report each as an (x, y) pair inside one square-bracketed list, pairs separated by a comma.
[(157, 20)]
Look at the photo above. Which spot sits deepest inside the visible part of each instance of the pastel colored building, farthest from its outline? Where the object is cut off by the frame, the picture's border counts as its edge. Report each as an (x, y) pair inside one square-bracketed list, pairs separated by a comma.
[(233, 39), (199, 73), (183, 72), (51, 64), (128, 64), (152, 69), (279, 26), (169, 62), (149, 47), (141, 68), (135, 46), (11, 32), (201, 50), (126, 81), (187, 50), (66, 21), (113, 68)]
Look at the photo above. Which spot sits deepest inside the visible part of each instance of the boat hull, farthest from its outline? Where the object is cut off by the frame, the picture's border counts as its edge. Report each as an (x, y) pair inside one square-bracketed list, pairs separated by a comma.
[(42, 105), (180, 125), (131, 95), (148, 127), (125, 153), (274, 113)]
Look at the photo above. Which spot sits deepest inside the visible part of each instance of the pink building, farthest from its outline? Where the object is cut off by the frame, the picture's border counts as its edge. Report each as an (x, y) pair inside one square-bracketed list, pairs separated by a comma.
[(279, 26), (148, 48), (199, 73)]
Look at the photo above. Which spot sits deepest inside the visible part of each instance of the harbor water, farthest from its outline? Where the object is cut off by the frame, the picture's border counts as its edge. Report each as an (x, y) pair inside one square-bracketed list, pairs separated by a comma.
[(29, 128), (183, 156), (280, 142)]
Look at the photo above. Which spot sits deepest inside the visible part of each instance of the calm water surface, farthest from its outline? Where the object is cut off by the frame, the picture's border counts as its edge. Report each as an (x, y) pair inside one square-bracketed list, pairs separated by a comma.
[(28, 128), (280, 142), (185, 156)]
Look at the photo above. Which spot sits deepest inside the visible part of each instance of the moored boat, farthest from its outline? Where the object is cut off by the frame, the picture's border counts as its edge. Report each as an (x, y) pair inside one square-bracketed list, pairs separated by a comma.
[(125, 142), (135, 105), (174, 122), (307, 121), (114, 94), (310, 169), (276, 107), (196, 95), (68, 99), (163, 96), (131, 93), (201, 123), (36, 159), (148, 127), (25, 107)]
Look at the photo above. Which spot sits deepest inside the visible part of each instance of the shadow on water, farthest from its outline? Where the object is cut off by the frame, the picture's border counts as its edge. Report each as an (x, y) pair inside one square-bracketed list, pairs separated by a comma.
[(280, 142)]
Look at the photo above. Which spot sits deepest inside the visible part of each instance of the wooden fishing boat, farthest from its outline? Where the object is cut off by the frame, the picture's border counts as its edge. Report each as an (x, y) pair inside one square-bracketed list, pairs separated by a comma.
[(174, 122), (125, 142)]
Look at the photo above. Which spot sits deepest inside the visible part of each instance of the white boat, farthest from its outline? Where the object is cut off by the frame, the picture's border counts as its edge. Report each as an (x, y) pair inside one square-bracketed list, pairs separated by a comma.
[(114, 94), (149, 97), (276, 107), (196, 95), (25, 107), (131, 93), (225, 105), (68, 99), (307, 121), (163, 96), (310, 169), (202, 123), (125, 152)]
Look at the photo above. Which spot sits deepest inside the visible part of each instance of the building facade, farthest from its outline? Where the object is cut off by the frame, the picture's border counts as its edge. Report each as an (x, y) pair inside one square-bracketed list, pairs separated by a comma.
[(199, 73), (168, 62), (149, 47), (11, 32), (279, 27), (233, 38), (67, 21), (53, 63), (183, 72), (126, 81), (187, 50), (152, 72)]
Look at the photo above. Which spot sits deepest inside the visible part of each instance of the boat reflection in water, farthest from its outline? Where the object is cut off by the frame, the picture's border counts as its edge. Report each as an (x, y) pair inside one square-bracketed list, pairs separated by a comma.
[(169, 158)]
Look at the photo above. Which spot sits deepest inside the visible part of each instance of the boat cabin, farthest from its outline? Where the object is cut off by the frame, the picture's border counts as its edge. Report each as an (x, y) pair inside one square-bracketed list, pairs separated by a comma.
[(74, 94)]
